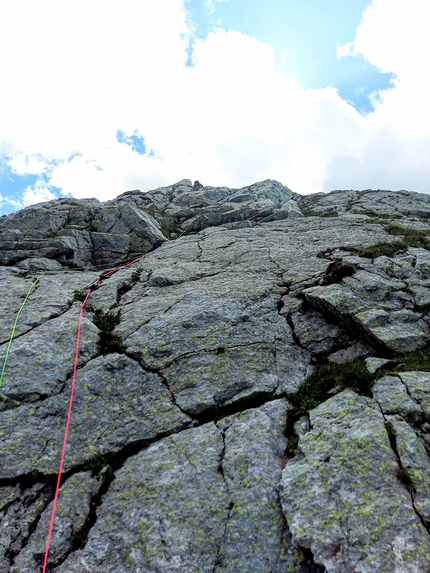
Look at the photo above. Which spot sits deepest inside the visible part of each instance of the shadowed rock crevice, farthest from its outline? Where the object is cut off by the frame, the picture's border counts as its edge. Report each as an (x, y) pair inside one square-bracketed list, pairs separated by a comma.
[(127, 286), (305, 562)]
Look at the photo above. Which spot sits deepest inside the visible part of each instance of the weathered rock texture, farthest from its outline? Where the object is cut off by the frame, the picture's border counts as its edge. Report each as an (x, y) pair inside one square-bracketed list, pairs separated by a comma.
[(204, 438)]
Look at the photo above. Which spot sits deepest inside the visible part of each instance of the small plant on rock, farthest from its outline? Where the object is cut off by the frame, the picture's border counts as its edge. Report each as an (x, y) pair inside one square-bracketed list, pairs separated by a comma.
[(109, 341), (379, 250), (415, 360), (319, 386), (78, 296), (412, 237), (337, 271)]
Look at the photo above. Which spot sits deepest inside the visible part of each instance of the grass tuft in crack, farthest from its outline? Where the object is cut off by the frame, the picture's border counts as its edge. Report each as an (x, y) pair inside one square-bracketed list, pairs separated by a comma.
[(79, 296), (292, 443), (109, 341), (129, 285), (412, 237), (328, 379), (380, 250), (413, 361)]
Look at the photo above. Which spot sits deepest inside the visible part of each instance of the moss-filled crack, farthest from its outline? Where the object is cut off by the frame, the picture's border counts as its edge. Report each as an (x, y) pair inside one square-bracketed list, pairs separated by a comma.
[(325, 381), (218, 559), (109, 341), (126, 286), (329, 379)]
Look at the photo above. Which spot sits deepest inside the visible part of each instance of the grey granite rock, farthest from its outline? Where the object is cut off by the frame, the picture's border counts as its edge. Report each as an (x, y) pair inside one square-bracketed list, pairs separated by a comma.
[(378, 306), (41, 361), (256, 534), (20, 508), (124, 408), (415, 461), (215, 507), (374, 364), (185, 452), (72, 513), (418, 386), (51, 296), (343, 500), (165, 511), (393, 397)]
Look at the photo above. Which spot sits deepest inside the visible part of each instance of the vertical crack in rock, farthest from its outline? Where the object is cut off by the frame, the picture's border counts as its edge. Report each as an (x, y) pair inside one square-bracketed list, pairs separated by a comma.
[(219, 556), (294, 430), (274, 262), (79, 537), (408, 392), (293, 332), (402, 473), (200, 254), (127, 285), (278, 378), (173, 398)]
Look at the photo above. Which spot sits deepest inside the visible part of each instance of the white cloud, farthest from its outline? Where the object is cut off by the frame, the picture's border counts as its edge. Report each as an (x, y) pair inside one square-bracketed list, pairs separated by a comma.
[(391, 32), (36, 194), (394, 37), (23, 164), (6, 203), (76, 72)]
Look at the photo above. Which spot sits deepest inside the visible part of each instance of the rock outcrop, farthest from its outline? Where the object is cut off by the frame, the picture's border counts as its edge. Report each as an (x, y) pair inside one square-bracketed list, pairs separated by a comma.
[(252, 392)]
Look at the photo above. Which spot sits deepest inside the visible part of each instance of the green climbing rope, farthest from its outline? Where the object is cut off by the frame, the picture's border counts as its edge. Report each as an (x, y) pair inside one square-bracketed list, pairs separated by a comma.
[(33, 284)]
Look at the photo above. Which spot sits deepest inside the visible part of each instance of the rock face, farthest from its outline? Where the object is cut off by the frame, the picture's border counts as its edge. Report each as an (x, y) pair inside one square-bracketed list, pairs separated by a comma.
[(78, 233), (252, 392)]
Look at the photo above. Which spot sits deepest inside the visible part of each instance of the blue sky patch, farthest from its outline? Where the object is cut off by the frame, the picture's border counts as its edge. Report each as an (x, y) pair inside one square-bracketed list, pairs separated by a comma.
[(306, 34), (13, 186), (135, 141)]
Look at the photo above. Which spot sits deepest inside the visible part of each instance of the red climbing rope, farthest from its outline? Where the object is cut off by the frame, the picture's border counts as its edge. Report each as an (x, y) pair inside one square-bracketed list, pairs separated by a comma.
[(69, 411), (231, 204)]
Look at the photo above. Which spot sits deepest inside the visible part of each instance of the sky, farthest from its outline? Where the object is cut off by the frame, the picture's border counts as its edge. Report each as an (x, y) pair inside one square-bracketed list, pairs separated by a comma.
[(97, 98)]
